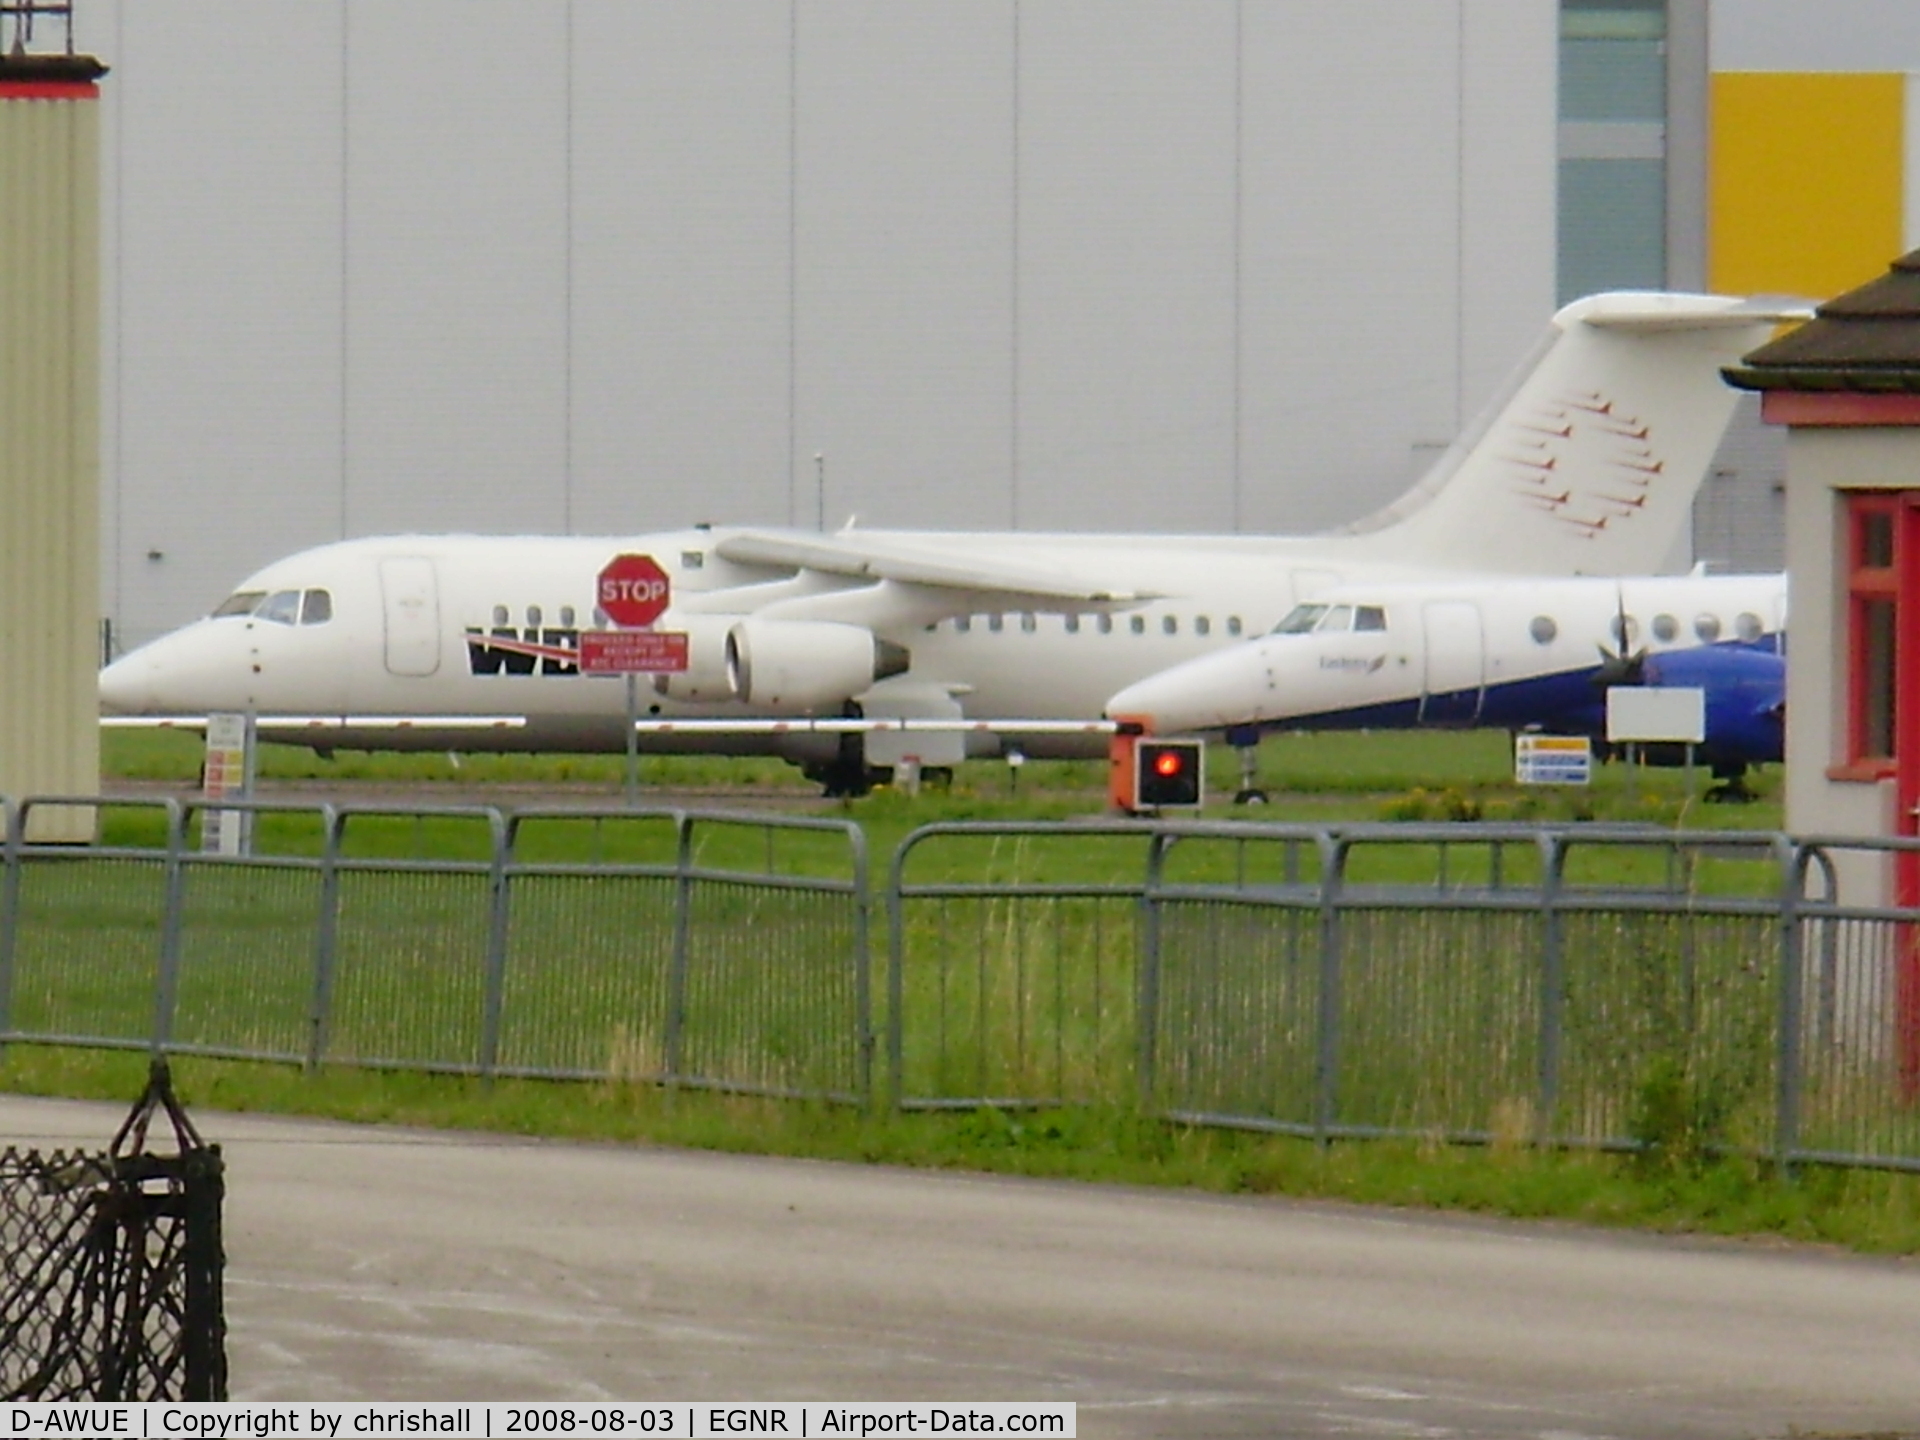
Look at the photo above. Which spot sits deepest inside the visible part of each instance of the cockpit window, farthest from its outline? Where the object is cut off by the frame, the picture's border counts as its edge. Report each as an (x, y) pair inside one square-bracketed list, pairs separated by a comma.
[(282, 608), (317, 607), (241, 603), (1300, 620), (1331, 619)]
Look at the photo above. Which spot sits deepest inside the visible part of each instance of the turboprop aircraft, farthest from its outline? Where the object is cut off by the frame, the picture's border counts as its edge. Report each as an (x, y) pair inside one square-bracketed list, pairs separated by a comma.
[(1587, 462), (1534, 654)]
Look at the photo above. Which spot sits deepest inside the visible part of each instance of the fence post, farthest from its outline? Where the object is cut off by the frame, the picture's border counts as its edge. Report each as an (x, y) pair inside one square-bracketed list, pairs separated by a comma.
[(1147, 996), (493, 999), (1793, 870), (167, 988), (863, 960), (1326, 1065), (682, 941), (326, 939), (1553, 982)]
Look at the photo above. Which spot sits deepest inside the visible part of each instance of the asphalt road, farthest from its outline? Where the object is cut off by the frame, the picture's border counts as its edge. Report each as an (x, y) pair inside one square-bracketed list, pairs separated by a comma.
[(369, 1263)]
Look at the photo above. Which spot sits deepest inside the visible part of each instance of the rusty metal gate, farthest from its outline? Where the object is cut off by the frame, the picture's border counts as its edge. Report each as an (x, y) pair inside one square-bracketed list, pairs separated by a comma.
[(111, 1266)]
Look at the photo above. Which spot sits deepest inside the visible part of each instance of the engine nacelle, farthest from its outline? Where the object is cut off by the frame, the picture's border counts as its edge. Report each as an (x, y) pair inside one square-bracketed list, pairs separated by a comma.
[(806, 664), (705, 678)]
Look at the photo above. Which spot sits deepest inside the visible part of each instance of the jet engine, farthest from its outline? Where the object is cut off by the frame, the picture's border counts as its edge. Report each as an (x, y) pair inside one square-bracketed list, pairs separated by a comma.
[(806, 664), (705, 678)]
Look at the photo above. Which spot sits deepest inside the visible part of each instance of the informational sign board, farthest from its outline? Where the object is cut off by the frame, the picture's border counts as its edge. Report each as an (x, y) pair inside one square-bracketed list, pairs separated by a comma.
[(1553, 760), (1673, 713), (227, 773), (633, 590), (633, 652)]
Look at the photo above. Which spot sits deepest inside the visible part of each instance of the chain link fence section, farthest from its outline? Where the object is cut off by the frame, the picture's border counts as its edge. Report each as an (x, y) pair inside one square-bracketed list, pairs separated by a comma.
[(111, 1267)]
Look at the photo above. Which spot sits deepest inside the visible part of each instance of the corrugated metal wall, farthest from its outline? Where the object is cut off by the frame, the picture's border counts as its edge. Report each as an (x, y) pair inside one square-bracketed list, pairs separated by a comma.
[(49, 445), (497, 265)]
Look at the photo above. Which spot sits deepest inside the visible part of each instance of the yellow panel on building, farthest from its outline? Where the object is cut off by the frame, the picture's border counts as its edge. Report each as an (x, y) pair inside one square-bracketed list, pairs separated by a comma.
[(1805, 181), (49, 434)]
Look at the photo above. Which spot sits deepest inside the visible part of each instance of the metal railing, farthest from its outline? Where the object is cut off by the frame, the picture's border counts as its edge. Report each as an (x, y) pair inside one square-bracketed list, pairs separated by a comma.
[(664, 946), (1613, 988)]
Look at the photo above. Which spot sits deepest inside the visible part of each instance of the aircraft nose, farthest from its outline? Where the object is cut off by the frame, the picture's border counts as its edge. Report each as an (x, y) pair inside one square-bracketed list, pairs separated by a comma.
[(1210, 693), (127, 686)]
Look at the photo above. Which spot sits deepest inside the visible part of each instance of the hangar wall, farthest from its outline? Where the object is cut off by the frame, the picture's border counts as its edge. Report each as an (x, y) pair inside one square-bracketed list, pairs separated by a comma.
[(502, 265)]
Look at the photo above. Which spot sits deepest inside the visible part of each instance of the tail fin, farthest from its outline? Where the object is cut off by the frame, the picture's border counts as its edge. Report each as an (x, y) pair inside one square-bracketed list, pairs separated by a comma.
[(1589, 461)]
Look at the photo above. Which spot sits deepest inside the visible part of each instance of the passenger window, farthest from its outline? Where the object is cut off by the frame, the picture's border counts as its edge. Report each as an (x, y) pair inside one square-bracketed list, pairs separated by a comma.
[(242, 603), (1028, 623), (1748, 626), (566, 617), (1138, 624), (1202, 625), (1370, 617), (499, 616), (1073, 624), (1665, 627), (1624, 629), (1233, 624), (317, 608), (1106, 624), (282, 607), (533, 615), (1170, 624), (1543, 629), (996, 623), (962, 624), (1707, 627)]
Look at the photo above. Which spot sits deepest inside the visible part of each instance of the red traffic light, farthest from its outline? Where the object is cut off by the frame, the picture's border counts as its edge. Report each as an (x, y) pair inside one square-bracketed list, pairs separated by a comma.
[(1167, 773)]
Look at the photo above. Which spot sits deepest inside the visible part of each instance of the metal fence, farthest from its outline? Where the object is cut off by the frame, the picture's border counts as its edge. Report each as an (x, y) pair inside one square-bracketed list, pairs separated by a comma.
[(1581, 985), (661, 946)]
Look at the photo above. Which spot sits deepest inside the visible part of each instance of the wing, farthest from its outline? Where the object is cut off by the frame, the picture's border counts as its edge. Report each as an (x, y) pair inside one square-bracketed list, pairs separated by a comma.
[(973, 582)]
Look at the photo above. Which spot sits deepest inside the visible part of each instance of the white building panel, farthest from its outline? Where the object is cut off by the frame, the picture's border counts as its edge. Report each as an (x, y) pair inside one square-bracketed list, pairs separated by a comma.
[(222, 326), (904, 232), (1127, 366), (456, 267), (681, 312), (507, 265)]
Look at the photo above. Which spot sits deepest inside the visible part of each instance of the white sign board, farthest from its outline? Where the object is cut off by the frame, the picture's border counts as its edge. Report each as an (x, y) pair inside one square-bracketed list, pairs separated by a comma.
[(1553, 760), (1656, 712), (227, 772)]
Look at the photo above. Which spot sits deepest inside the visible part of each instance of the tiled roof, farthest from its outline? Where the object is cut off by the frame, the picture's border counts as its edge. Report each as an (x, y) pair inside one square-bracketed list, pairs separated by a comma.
[(1866, 341)]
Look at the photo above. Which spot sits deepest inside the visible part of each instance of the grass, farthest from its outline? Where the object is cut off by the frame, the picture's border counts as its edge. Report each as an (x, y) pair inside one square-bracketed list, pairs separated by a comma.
[(1319, 779), (1866, 1211)]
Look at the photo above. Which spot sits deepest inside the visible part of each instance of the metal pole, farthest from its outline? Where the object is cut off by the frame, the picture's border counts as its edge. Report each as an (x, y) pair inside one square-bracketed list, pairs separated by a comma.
[(633, 740)]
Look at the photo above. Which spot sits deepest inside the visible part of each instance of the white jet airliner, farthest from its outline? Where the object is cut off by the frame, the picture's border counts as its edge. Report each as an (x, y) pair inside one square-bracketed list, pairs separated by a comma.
[(1537, 654), (1587, 463)]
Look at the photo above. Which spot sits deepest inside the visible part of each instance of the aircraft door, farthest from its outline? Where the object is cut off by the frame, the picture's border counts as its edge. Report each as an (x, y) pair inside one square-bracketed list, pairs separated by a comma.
[(1455, 659), (411, 612)]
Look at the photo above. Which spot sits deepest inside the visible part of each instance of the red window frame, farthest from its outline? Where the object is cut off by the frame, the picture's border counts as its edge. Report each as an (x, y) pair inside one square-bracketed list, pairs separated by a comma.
[(1871, 571)]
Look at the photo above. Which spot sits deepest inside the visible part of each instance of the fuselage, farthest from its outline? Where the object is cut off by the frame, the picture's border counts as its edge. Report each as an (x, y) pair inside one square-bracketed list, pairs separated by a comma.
[(472, 627), (1500, 654)]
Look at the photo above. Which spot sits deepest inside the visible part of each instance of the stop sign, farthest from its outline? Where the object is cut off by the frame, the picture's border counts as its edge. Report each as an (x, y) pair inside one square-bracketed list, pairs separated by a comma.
[(632, 590)]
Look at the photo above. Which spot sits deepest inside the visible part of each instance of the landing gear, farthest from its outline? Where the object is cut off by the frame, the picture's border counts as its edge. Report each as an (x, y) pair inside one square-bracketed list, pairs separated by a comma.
[(847, 776), (1247, 746), (1732, 787)]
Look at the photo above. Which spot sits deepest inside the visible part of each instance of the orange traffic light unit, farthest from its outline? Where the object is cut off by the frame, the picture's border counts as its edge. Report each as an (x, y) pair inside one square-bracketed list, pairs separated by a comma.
[(1147, 774)]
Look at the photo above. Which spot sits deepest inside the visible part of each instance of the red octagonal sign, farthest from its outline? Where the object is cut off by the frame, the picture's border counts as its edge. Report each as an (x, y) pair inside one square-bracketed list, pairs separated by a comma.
[(633, 590)]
